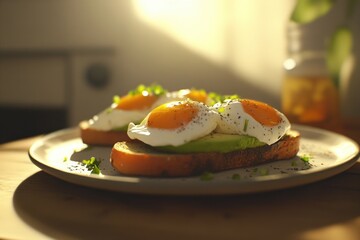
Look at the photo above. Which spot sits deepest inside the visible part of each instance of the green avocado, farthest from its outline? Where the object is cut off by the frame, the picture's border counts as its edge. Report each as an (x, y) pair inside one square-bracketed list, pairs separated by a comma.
[(215, 142), (121, 129)]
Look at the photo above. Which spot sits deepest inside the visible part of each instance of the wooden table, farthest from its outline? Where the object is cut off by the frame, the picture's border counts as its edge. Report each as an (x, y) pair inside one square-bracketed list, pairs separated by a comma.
[(35, 205)]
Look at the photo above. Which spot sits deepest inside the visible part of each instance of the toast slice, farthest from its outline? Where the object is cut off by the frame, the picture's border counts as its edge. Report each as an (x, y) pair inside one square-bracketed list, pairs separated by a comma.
[(138, 159), (97, 137)]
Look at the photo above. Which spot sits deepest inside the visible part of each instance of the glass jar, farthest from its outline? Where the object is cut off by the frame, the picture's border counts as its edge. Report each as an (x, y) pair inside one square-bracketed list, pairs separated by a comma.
[(309, 95)]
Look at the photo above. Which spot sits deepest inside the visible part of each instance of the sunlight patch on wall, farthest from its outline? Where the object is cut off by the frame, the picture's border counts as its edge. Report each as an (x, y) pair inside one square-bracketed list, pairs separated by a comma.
[(259, 41), (246, 37), (197, 25)]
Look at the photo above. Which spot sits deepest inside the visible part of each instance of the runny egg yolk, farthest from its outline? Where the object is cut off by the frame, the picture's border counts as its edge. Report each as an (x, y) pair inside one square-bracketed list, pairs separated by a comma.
[(197, 95), (172, 115), (136, 102), (261, 112)]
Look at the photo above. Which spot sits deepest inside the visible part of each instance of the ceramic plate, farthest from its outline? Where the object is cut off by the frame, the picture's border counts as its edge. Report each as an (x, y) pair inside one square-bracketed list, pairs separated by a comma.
[(322, 154)]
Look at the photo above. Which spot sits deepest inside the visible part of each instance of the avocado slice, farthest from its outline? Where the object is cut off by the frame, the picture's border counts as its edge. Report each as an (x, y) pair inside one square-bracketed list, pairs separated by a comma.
[(123, 128), (215, 142)]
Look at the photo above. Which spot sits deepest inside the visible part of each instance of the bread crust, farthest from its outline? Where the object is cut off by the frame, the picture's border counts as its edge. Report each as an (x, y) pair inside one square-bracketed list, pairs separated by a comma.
[(97, 137), (138, 159)]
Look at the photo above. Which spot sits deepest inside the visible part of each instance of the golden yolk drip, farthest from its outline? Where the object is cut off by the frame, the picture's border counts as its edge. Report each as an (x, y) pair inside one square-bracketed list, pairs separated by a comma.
[(197, 95), (261, 112), (136, 102), (172, 115)]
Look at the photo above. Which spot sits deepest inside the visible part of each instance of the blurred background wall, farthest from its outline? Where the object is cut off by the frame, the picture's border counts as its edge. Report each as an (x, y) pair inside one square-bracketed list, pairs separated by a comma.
[(62, 61)]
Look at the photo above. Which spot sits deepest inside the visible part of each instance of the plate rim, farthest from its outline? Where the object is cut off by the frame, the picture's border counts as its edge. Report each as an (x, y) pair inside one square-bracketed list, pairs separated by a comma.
[(230, 187)]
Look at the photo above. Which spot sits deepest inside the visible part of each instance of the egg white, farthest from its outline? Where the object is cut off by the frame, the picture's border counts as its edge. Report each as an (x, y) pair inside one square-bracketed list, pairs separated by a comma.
[(201, 125), (113, 118), (234, 120)]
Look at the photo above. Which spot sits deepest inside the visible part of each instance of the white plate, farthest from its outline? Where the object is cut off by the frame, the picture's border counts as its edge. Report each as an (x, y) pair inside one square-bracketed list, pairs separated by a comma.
[(61, 153)]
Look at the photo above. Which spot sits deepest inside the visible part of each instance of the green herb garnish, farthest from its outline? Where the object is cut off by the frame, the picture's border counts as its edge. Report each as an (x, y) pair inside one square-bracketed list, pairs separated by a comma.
[(153, 89), (221, 110), (116, 99), (305, 158), (236, 176), (218, 98), (92, 164), (207, 176), (65, 159), (264, 171), (246, 123), (109, 110)]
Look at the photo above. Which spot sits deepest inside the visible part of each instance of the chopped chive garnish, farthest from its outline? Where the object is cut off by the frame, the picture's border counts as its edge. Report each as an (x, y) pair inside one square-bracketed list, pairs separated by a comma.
[(306, 158), (221, 109), (246, 123), (109, 110), (65, 159), (236, 176), (264, 171), (206, 176)]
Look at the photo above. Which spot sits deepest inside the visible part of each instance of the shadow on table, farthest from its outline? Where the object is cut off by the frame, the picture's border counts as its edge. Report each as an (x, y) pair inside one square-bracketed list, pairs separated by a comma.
[(65, 211)]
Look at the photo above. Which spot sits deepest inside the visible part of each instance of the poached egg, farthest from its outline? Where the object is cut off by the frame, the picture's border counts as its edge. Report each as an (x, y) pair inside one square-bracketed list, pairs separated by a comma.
[(135, 107), (175, 123), (253, 118)]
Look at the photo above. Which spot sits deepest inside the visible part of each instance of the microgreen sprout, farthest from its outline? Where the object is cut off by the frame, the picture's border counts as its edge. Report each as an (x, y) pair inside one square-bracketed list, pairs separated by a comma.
[(153, 89), (218, 98)]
